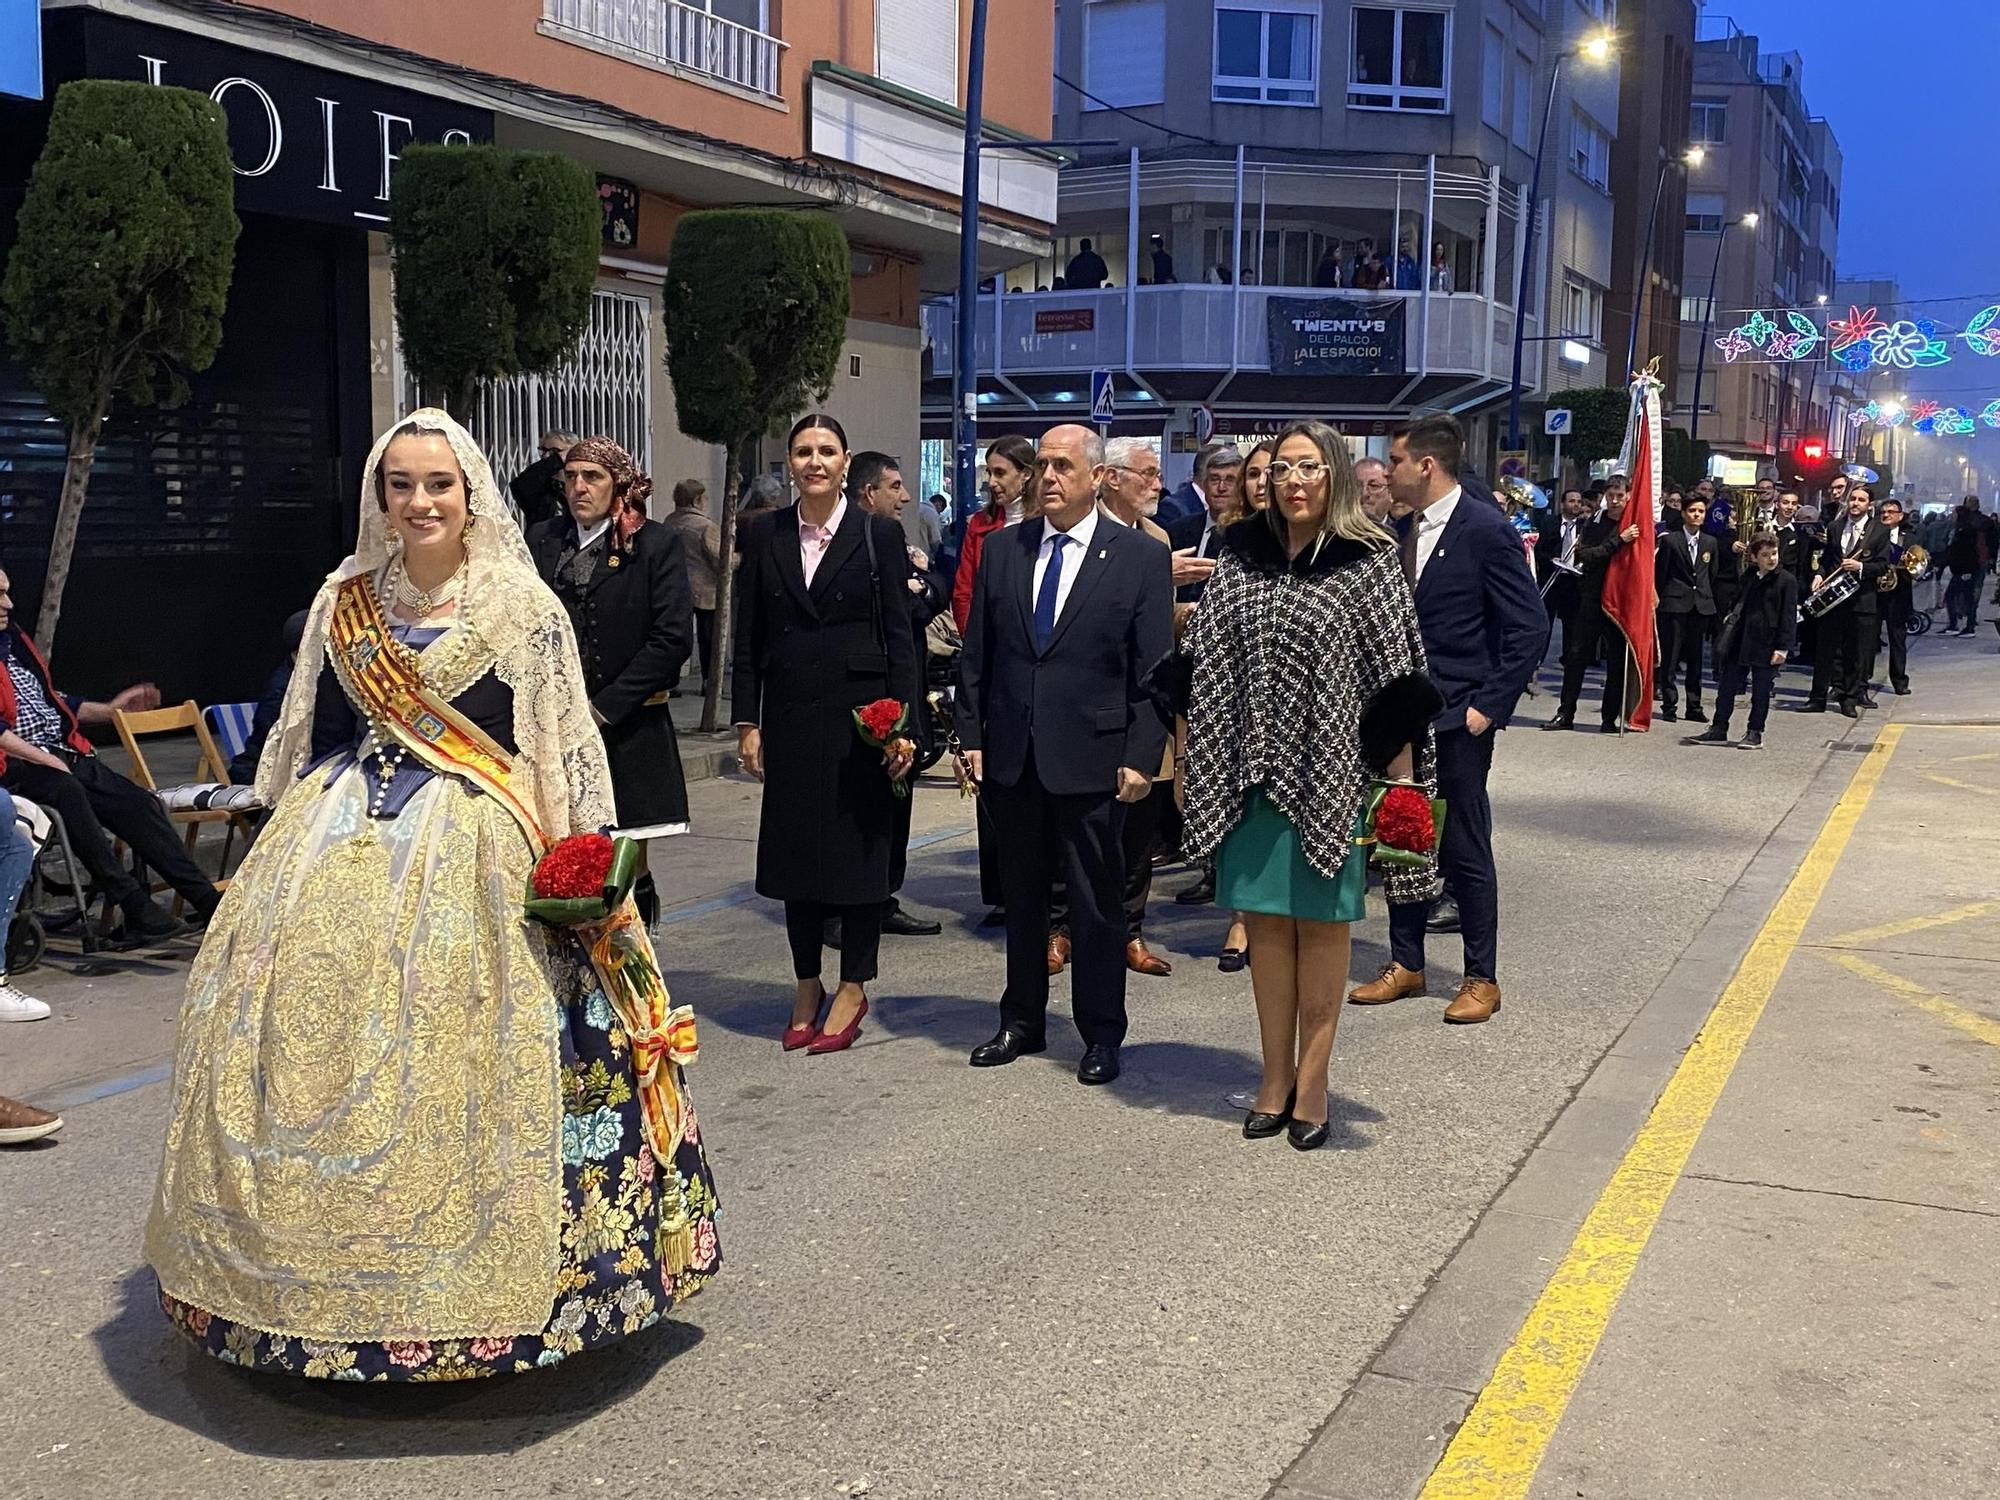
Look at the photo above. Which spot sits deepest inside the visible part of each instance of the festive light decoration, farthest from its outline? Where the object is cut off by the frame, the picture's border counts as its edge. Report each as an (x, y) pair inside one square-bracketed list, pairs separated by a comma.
[(1983, 332), (1932, 418), (1991, 416), (1844, 333), (1923, 411), (1898, 346), (1799, 338)]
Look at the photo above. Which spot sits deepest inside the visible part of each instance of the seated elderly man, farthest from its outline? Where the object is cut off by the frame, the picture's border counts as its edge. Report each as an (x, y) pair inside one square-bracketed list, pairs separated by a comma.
[(45, 758)]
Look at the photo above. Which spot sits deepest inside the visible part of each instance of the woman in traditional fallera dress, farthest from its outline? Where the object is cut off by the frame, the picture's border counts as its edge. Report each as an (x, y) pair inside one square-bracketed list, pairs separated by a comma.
[(409, 1137)]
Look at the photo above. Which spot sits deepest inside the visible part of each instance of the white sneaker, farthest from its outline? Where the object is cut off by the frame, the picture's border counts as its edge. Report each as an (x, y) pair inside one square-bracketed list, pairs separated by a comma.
[(15, 1006)]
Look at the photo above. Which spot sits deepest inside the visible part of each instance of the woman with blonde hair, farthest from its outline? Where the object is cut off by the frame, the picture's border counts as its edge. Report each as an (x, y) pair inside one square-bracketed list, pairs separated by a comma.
[(1308, 682)]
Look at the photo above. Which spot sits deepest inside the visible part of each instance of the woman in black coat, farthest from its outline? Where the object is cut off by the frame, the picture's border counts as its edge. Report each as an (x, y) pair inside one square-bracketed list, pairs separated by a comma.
[(624, 581), (822, 628)]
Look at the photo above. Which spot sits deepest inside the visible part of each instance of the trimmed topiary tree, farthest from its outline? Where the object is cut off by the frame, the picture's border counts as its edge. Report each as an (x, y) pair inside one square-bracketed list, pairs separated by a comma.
[(496, 256), (116, 285), (756, 311)]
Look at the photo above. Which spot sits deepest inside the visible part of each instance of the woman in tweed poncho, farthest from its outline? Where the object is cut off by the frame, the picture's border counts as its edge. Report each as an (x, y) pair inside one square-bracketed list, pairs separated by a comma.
[(1308, 681)]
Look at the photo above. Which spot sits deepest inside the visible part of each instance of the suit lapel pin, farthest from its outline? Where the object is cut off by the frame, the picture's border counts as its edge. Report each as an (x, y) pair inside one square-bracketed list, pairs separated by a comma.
[(1102, 554), (614, 559)]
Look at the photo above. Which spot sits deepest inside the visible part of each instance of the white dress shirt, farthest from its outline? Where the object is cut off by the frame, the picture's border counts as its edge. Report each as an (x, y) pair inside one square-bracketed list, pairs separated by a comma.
[(585, 538), (1567, 551), (1080, 537), (1694, 545), (1430, 526)]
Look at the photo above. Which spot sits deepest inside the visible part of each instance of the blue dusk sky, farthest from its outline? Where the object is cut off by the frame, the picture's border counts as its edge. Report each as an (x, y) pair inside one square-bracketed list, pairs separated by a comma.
[(1914, 126)]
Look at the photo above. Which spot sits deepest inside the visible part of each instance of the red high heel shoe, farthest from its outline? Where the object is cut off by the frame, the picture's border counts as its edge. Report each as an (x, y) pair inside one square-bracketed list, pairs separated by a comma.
[(841, 1040), (796, 1037)]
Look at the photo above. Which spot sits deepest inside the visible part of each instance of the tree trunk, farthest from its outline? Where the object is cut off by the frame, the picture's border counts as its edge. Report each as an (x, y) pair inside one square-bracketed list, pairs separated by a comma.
[(725, 597), (69, 514), (458, 404)]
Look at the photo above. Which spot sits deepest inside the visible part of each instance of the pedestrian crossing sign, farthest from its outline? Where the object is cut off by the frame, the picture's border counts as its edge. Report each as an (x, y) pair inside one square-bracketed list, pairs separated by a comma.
[(1103, 403)]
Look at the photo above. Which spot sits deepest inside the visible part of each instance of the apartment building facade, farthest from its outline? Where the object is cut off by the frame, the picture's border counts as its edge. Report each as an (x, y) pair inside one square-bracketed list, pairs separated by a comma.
[(1762, 235), (847, 107), (1237, 160), (1649, 185)]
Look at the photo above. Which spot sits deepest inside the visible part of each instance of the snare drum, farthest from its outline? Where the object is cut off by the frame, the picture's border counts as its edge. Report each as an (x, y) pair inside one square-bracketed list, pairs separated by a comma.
[(1835, 592)]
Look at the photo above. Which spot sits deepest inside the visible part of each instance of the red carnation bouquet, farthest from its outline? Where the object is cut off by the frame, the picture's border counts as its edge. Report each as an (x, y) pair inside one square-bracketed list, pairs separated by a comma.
[(1403, 824), (880, 724), (583, 878)]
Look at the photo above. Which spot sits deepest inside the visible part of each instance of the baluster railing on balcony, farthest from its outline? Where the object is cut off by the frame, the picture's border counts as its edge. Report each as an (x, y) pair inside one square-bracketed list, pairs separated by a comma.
[(673, 34)]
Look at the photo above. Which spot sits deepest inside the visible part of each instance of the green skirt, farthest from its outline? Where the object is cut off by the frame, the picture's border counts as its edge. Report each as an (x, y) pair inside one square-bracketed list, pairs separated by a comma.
[(1260, 867)]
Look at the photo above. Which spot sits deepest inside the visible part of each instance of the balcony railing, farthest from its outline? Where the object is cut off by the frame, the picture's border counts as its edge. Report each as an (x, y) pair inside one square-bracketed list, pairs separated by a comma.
[(1186, 326), (668, 34)]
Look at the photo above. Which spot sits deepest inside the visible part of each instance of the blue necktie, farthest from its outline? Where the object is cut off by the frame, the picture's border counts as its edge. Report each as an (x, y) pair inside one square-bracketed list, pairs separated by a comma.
[(1045, 601)]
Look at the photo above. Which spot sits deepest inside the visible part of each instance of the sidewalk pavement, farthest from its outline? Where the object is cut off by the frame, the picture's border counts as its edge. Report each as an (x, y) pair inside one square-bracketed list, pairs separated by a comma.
[(1754, 1261)]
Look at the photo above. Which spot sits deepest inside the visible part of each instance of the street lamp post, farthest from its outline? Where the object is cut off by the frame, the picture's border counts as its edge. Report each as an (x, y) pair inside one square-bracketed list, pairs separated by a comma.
[(1748, 221), (964, 371), (1597, 49), (1692, 157)]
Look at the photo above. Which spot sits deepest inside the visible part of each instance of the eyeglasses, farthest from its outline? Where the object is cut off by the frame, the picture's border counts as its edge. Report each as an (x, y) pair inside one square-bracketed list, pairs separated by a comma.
[(1309, 470), (1142, 473)]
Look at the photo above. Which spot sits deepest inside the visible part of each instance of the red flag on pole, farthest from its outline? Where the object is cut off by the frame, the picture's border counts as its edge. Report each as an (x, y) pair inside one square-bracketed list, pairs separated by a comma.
[(1629, 593)]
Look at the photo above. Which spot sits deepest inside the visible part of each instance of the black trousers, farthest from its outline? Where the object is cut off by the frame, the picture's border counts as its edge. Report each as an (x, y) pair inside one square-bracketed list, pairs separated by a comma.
[(1038, 836), (1729, 687), (704, 634), (1846, 644), (1143, 820), (96, 805), (1465, 857), (1895, 624), (860, 938), (989, 852), (1564, 604), (1681, 638), (1589, 635)]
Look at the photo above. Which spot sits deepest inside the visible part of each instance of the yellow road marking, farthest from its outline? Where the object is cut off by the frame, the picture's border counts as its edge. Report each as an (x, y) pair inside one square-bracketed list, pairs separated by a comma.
[(1949, 1011), (1862, 937), (1495, 1454), (1963, 786)]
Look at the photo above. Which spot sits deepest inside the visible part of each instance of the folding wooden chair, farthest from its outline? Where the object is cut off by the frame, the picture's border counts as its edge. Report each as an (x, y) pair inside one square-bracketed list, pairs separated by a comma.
[(181, 719)]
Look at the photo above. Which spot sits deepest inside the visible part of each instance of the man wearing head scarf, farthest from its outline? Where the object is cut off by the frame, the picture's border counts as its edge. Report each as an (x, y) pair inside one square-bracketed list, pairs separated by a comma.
[(624, 581)]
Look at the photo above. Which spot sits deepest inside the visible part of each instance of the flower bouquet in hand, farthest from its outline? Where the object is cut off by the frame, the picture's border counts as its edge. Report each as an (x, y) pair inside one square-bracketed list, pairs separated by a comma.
[(1402, 824), (881, 724), (583, 878), (584, 885)]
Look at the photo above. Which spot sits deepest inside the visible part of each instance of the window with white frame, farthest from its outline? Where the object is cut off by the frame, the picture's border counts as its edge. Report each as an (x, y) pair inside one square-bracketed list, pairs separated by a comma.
[(1704, 213), (1399, 57), (1582, 311), (1524, 101), (1589, 151), (916, 45), (1125, 53), (1267, 52), (1493, 78), (1694, 307), (1708, 121)]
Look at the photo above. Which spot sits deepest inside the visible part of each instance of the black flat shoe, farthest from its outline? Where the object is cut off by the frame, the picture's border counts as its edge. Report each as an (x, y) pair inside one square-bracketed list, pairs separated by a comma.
[(1307, 1137), (1561, 721), (1444, 916), (1099, 1065), (1233, 960), (1007, 1045), (994, 918), (1257, 1125), (898, 923)]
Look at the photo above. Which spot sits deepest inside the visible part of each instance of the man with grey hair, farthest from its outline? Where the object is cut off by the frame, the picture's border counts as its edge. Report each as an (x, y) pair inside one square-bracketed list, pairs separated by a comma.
[(1376, 500), (1199, 534), (1192, 498)]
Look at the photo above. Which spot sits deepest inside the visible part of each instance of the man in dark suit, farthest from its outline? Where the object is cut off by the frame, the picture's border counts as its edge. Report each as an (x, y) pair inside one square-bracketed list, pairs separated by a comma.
[(1198, 537), (1556, 564), (1591, 635), (1796, 548), (1484, 631), (1896, 602), (1684, 573), (1217, 464), (1069, 613), (1858, 544)]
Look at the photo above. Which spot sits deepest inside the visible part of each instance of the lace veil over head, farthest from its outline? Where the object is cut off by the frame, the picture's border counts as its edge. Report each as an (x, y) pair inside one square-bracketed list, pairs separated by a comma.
[(559, 768)]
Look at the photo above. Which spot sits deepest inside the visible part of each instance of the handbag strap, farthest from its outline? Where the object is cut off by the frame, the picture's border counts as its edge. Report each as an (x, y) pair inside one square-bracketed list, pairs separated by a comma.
[(874, 586)]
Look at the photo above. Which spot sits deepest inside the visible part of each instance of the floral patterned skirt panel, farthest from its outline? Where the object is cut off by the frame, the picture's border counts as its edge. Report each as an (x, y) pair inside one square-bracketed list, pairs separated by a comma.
[(638, 1236)]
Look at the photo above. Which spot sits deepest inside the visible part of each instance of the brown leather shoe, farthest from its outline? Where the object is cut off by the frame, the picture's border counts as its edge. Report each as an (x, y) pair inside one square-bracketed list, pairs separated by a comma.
[(20, 1123), (1393, 983), (1142, 960), (1476, 1000), (1058, 953)]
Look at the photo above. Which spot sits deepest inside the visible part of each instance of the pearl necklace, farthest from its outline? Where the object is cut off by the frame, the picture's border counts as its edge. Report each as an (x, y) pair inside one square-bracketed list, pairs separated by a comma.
[(424, 603)]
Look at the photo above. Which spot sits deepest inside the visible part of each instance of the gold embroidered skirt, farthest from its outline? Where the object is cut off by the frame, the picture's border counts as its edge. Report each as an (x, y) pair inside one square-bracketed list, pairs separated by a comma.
[(403, 1138)]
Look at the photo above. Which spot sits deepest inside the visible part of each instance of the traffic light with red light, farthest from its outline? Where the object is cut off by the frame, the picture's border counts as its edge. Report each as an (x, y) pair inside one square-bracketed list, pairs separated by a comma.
[(1813, 464)]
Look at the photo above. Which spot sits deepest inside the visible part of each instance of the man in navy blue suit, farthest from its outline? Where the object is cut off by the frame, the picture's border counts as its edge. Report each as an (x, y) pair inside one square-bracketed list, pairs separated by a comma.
[(1484, 631), (1069, 613)]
